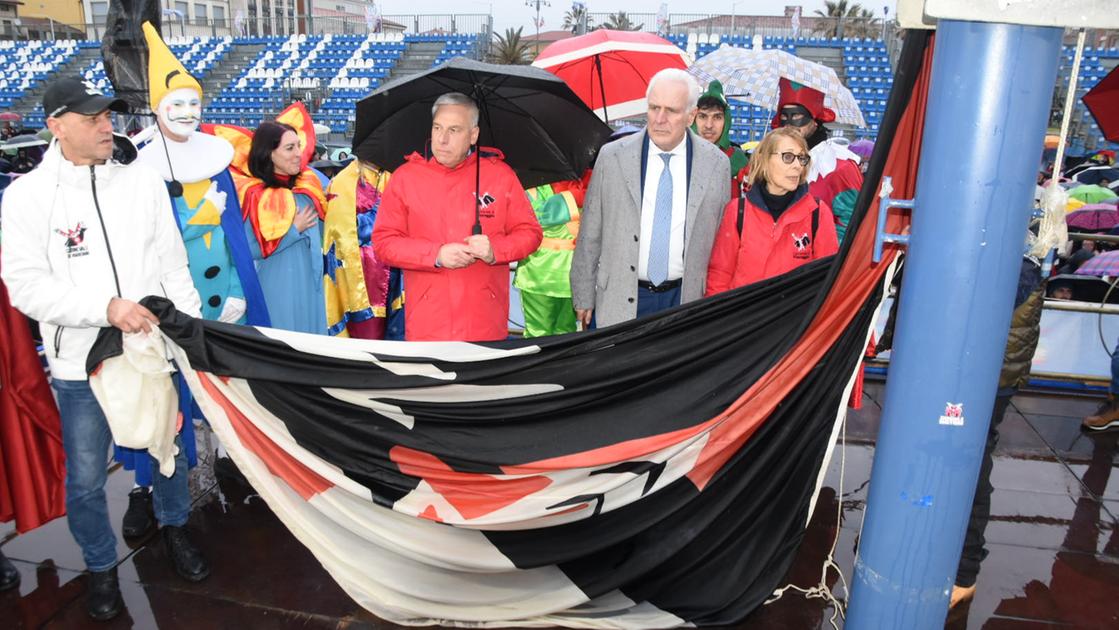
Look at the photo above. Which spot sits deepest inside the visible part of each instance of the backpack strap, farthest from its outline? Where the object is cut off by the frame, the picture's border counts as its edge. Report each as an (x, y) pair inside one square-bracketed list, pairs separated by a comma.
[(815, 225), (741, 214)]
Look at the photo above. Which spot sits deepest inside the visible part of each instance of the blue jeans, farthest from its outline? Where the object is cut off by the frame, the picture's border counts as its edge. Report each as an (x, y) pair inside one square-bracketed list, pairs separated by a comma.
[(86, 440)]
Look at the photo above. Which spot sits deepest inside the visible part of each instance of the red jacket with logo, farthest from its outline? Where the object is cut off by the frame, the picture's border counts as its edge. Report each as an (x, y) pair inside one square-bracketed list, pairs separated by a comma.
[(767, 248), (427, 205)]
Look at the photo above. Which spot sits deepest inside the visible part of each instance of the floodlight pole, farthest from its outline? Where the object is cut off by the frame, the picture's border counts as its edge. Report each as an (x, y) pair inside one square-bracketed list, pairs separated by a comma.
[(537, 4)]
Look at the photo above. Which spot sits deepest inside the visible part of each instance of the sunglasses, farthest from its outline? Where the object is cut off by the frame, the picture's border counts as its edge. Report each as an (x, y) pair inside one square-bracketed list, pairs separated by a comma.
[(788, 156)]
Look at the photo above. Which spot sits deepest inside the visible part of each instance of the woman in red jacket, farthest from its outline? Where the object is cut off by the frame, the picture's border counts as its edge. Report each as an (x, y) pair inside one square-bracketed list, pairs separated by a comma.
[(777, 226)]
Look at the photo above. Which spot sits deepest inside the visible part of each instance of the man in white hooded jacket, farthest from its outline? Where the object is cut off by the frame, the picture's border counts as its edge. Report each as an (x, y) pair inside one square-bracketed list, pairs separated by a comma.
[(85, 238)]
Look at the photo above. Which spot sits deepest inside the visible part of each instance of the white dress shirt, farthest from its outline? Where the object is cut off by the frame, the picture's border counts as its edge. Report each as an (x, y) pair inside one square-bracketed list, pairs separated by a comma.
[(678, 169)]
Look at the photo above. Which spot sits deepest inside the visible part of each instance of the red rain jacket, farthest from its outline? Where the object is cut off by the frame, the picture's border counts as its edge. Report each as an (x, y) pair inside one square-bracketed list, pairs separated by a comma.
[(427, 205), (768, 248)]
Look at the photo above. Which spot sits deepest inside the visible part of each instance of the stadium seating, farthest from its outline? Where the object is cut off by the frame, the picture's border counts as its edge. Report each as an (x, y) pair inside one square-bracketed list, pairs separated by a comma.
[(25, 65), (306, 65), (1095, 63), (462, 45)]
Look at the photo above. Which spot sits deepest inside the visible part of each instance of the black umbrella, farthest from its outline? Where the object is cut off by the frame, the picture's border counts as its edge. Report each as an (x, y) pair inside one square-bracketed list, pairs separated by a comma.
[(545, 131), (1095, 175), (1085, 288)]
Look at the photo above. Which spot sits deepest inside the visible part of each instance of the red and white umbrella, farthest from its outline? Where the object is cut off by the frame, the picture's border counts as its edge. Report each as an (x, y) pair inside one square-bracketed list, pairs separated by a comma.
[(610, 70)]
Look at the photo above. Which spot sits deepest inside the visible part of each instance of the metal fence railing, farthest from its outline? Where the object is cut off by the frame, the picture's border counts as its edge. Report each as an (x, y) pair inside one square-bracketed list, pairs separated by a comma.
[(747, 25), (450, 23), (482, 24), (778, 26)]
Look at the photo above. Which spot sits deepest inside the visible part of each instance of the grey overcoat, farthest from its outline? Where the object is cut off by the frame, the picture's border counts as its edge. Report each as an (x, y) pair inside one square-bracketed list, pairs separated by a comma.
[(604, 267)]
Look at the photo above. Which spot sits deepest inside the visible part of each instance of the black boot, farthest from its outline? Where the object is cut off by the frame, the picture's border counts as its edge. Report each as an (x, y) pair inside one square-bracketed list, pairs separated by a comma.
[(103, 601), (188, 561), (139, 517), (9, 574)]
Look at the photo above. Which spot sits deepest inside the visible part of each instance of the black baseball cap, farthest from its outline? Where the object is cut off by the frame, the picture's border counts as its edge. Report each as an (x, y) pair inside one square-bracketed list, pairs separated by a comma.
[(72, 94)]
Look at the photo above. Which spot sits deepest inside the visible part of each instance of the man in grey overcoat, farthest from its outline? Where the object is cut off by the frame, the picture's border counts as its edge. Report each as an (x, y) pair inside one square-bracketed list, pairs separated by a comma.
[(650, 215)]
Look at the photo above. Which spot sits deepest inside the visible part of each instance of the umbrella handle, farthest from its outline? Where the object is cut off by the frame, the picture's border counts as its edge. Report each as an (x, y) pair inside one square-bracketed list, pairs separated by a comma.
[(477, 229)]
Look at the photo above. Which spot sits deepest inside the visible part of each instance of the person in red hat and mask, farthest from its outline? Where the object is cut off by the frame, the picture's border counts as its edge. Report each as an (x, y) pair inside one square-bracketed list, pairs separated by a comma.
[(834, 176)]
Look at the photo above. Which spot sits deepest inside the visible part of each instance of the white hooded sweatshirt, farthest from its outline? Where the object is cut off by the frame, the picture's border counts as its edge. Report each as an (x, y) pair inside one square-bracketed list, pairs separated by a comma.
[(77, 236)]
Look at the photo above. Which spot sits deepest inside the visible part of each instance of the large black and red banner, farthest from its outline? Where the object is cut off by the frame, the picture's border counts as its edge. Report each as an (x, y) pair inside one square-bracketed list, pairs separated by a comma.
[(652, 474)]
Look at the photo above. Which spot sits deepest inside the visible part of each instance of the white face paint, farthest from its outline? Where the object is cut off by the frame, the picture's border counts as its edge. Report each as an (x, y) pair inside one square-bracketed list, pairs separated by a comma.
[(180, 111)]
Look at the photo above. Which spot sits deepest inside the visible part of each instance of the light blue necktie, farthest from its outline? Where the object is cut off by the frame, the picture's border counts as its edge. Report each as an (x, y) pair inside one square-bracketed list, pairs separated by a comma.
[(662, 227)]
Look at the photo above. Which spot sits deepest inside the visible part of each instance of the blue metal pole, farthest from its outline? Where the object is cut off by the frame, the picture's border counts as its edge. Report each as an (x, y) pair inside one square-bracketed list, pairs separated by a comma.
[(989, 99)]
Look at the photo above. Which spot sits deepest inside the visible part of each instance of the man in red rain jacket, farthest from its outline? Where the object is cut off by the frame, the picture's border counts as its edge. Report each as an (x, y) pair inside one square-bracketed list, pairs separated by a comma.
[(457, 282)]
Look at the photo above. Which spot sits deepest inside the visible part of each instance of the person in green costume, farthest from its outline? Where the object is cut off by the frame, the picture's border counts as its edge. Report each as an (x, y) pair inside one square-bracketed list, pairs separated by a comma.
[(712, 122), (543, 278)]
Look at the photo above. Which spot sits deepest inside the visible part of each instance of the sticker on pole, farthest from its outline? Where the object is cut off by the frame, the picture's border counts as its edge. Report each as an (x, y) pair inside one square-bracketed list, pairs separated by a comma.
[(953, 414)]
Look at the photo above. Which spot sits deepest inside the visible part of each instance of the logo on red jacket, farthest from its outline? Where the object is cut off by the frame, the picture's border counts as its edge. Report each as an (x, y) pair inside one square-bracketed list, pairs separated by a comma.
[(801, 244), (75, 240), (484, 206)]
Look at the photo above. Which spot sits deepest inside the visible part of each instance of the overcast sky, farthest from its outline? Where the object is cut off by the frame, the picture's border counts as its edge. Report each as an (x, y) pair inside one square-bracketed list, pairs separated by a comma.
[(514, 13)]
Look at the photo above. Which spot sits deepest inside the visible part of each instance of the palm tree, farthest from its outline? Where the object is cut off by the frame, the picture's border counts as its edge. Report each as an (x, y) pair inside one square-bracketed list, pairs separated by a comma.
[(620, 22), (845, 20), (511, 49), (575, 15), (839, 8), (863, 25)]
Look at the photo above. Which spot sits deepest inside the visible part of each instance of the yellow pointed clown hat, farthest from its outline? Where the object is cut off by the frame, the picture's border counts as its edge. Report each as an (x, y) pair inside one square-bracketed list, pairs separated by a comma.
[(165, 72)]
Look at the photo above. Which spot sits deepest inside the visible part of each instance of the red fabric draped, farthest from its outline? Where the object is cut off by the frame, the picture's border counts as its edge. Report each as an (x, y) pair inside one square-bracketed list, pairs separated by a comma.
[(855, 283), (32, 463)]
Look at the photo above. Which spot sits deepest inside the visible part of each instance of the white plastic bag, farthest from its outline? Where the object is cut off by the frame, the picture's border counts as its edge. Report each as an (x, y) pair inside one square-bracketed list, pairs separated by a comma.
[(137, 393)]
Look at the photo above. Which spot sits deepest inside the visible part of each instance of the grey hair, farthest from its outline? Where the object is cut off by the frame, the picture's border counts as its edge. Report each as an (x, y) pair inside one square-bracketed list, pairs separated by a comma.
[(457, 98), (676, 74)]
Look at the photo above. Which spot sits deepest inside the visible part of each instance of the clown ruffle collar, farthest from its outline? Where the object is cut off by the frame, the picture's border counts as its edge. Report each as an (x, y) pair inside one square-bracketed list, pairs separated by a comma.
[(201, 157)]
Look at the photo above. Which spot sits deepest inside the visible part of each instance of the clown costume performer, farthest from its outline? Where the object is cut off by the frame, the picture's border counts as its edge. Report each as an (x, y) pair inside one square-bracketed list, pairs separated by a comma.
[(195, 167)]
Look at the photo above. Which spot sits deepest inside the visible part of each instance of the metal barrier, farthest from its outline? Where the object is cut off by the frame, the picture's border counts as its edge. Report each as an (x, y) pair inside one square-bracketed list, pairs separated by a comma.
[(258, 26), (1081, 307), (807, 26), (748, 25), (1103, 238)]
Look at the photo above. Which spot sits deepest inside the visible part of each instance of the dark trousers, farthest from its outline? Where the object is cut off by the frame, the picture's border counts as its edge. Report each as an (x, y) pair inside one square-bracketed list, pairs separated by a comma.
[(649, 302), (974, 540), (1113, 388)]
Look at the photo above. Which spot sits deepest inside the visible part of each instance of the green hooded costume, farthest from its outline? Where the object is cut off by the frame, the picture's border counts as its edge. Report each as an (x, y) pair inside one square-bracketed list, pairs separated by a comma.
[(739, 161)]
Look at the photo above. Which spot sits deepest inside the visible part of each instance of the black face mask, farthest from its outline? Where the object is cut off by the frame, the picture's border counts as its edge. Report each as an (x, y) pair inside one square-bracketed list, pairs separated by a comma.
[(797, 116)]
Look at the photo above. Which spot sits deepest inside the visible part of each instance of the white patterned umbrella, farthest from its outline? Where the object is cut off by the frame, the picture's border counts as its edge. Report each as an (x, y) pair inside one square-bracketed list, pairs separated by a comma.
[(752, 75)]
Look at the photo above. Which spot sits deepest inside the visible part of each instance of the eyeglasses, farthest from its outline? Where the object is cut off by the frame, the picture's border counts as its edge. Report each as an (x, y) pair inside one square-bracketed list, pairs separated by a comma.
[(788, 156)]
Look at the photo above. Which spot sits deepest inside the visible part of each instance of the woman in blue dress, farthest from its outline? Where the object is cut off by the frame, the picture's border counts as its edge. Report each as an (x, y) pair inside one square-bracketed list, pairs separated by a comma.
[(283, 204)]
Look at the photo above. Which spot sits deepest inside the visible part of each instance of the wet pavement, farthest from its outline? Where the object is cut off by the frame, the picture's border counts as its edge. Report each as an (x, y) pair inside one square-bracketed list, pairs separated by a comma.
[(1053, 541)]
